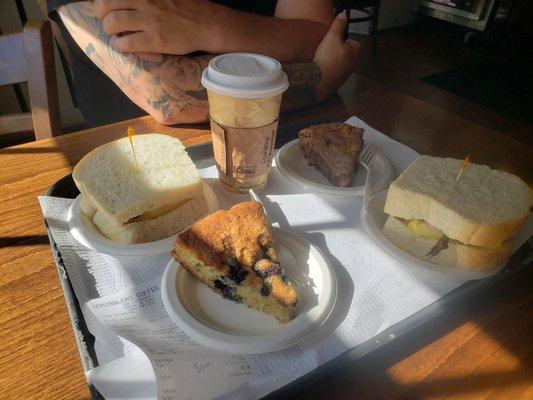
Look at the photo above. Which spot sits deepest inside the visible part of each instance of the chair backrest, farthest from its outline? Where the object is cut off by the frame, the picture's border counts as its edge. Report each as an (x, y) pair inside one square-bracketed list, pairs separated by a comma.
[(28, 56)]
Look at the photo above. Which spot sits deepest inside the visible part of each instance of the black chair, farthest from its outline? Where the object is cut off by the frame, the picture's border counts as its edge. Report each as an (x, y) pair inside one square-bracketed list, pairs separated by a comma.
[(363, 6)]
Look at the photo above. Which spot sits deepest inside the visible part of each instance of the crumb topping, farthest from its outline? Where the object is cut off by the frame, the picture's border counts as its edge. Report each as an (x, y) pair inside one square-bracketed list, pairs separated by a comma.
[(281, 291), (239, 243)]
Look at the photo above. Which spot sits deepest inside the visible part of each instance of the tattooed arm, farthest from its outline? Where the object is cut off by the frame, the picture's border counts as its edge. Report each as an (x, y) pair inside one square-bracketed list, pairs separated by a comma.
[(169, 88), (166, 89), (181, 27)]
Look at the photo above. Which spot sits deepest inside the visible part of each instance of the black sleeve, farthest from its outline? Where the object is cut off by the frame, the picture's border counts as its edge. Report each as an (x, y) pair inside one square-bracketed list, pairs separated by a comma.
[(53, 5), (99, 99), (263, 7)]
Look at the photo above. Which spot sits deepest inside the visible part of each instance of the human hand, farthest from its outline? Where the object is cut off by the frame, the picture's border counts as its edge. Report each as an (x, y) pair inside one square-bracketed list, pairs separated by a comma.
[(335, 57), (156, 26)]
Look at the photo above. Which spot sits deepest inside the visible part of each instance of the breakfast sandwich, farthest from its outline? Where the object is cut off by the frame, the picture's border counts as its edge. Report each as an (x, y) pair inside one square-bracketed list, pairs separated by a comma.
[(140, 192), (233, 253), (333, 149), (456, 214)]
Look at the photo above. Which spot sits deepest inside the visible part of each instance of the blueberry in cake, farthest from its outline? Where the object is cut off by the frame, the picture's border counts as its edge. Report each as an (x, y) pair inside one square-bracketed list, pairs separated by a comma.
[(233, 253), (333, 149)]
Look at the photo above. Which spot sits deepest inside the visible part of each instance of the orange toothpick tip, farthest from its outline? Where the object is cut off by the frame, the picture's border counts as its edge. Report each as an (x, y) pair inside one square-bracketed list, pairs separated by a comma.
[(465, 162), (131, 132), (464, 165)]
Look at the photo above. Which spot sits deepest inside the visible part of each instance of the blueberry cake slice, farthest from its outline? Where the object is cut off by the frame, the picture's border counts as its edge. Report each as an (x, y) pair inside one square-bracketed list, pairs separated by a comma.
[(333, 149), (233, 253)]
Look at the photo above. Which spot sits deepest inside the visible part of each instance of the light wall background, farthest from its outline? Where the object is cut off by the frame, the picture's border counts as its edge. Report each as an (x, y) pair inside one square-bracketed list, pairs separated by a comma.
[(10, 23)]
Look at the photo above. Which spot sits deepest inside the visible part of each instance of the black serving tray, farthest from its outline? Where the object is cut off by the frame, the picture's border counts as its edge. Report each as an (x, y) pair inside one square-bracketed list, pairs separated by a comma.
[(202, 155)]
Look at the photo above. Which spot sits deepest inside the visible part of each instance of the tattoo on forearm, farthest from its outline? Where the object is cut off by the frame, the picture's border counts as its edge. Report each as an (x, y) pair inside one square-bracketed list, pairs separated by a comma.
[(171, 87), (200, 93), (303, 81)]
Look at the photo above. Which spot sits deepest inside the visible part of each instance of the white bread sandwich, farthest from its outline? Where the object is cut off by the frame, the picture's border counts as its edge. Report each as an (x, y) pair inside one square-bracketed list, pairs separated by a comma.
[(467, 223), (161, 198)]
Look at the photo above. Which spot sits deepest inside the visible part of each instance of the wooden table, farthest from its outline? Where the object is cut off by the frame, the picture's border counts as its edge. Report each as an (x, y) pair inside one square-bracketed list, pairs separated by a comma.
[(479, 349)]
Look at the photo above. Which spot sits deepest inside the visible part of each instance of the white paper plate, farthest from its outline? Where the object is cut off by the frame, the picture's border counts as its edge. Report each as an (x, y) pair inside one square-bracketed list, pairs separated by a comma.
[(292, 164), (374, 219), (85, 232), (233, 327)]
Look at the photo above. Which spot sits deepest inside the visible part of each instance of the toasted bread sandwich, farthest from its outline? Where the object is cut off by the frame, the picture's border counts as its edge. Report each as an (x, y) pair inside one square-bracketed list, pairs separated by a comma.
[(467, 222), (143, 201)]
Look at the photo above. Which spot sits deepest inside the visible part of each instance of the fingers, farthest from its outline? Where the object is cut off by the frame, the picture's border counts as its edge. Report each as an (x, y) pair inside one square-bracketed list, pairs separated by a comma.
[(354, 46), (132, 43), (338, 25), (153, 57), (123, 21), (352, 53), (104, 7)]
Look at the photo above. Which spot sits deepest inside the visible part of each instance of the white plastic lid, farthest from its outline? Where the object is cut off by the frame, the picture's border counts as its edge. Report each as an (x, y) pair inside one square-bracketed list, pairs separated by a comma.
[(245, 75)]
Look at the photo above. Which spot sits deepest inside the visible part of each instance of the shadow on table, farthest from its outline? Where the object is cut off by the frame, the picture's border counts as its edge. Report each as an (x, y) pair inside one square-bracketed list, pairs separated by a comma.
[(501, 308), (25, 240)]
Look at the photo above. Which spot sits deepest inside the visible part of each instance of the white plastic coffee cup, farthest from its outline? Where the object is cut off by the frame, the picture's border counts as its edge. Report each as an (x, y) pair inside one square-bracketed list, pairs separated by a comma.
[(244, 92)]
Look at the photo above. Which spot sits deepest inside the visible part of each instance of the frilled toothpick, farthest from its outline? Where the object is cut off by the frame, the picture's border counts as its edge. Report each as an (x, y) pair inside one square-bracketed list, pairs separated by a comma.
[(464, 165), (131, 133)]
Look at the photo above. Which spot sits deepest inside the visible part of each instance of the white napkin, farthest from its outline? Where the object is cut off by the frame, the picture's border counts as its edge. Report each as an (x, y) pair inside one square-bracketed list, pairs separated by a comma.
[(375, 292), (129, 377)]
